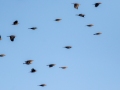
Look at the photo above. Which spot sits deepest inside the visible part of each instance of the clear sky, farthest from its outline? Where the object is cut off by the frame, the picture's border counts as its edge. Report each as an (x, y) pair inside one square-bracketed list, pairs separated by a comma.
[(93, 62)]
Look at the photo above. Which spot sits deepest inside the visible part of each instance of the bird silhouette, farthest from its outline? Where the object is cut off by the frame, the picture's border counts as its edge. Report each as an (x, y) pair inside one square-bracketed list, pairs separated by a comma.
[(97, 4), (28, 62), (15, 22), (33, 28), (33, 70), (76, 5), (12, 37), (2, 55), (51, 65), (68, 47), (98, 33)]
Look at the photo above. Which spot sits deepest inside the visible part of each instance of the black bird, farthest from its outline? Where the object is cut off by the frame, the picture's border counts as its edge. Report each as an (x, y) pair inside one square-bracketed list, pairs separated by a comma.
[(64, 67), (28, 62), (15, 22), (58, 19), (82, 15), (12, 37), (33, 28), (97, 4), (90, 25), (42, 85), (0, 37), (97, 33), (51, 65), (2, 55), (33, 70), (76, 5), (68, 47)]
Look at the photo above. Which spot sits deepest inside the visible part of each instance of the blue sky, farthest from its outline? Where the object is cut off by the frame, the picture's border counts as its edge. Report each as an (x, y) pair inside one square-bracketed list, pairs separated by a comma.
[(93, 62)]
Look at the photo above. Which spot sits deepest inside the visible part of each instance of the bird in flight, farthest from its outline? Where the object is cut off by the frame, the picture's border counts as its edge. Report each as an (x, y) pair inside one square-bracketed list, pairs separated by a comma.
[(33, 28), (15, 22), (81, 15), (0, 37), (58, 20), (28, 62), (76, 5), (63, 67), (68, 47), (2, 55), (42, 85), (98, 33), (51, 65), (33, 70), (97, 4), (90, 25), (12, 37)]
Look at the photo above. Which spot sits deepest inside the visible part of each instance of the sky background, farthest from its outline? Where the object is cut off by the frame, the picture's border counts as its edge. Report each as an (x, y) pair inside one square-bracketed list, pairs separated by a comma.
[(93, 61)]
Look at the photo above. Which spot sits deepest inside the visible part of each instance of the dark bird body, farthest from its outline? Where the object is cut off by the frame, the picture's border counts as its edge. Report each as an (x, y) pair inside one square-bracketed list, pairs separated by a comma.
[(12, 37), (51, 65), (33, 28), (63, 67), (82, 15), (68, 47), (2, 55), (90, 25), (58, 19), (0, 37), (15, 22), (97, 4), (76, 5), (33, 70), (42, 85), (97, 33), (28, 62)]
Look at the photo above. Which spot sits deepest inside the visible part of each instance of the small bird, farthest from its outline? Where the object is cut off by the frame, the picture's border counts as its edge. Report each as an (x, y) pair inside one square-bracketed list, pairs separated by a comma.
[(82, 15), (76, 5), (0, 37), (68, 47), (42, 85), (63, 67), (97, 33), (33, 70), (51, 65), (2, 55), (12, 37), (97, 4), (28, 62), (15, 22), (58, 19), (33, 28), (90, 25)]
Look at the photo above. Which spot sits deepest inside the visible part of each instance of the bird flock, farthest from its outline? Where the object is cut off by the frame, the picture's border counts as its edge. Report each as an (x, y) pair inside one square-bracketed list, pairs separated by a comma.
[(28, 62)]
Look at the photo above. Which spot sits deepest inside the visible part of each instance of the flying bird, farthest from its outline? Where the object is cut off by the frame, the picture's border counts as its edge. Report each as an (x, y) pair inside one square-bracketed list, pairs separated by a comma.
[(90, 25), (51, 65), (33, 70), (63, 67), (97, 33), (42, 85), (76, 5), (15, 22), (33, 28), (97, 4), (58, 19), (81, 15), (12, 37), (68, 47), (0, 37), (2, 55), (28, 62)]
